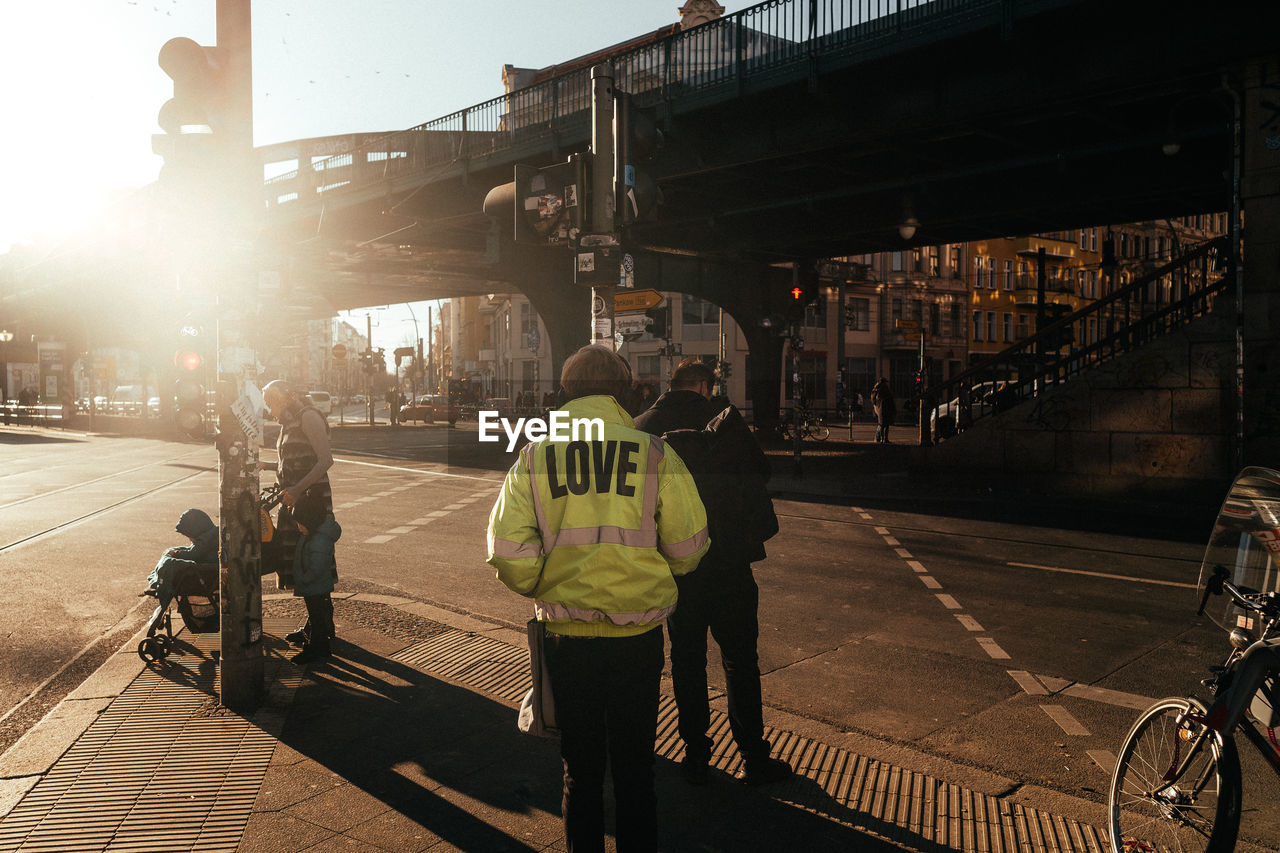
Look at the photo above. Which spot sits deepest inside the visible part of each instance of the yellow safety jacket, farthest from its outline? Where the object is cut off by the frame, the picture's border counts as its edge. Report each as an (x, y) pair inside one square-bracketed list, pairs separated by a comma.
[(595, 531)]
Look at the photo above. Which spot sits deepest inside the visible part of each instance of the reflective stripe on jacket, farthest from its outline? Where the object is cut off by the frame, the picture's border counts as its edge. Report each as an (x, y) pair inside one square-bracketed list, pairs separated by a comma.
[(595, 530)]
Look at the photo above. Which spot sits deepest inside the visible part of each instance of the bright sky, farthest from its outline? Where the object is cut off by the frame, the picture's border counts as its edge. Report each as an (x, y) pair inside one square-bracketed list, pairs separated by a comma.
[(82, 85)]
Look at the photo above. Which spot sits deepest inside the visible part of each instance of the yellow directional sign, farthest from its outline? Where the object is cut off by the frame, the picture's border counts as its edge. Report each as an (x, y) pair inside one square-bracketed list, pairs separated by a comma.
[(636, 300), (917, 336), (908, 324)]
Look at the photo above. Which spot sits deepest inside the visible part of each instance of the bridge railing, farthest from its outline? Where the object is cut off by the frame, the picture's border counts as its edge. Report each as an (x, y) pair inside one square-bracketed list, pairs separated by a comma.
[(766, 39), (1147, 308)]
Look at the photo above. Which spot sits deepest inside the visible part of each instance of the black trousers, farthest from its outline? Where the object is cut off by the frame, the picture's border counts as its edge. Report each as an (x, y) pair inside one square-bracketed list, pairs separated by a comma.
[(606, 692), (722, 599), (319, 618)]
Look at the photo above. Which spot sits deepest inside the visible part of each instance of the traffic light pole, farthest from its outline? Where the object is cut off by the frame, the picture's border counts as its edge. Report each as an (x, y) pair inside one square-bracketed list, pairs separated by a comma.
[(925, 438), (601, 230), (241, 679)]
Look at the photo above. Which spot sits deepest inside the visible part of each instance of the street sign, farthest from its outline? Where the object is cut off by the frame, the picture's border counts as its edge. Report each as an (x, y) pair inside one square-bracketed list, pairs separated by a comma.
[(917, 336), (637, 300), (339, 351), (908, 324), (632, 324)]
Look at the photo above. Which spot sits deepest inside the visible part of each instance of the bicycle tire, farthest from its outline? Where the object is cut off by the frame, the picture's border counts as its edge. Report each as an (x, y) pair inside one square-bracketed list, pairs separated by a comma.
[(1199, 812), (819, 431)]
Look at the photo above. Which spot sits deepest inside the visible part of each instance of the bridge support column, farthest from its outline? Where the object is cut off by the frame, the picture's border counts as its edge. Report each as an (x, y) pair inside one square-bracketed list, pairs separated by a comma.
[(1260, 314), (545, 276)]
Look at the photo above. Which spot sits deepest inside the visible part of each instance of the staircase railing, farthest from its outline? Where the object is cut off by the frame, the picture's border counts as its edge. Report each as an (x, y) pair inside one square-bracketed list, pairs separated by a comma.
[(1147, 308)]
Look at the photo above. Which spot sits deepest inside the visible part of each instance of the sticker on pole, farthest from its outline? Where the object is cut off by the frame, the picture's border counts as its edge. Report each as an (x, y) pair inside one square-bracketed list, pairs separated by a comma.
[(247, 410)]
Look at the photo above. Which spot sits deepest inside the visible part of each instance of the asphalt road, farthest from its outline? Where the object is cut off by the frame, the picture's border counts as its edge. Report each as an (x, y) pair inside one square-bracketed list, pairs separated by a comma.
[(944, 635)]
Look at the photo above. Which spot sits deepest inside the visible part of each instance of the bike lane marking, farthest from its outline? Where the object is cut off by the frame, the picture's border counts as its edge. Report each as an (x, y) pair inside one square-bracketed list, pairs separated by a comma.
[(987, 644), (1069, 724)]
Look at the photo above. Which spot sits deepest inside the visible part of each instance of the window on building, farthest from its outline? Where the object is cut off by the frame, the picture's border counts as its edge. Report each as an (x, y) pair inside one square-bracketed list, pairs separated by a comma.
[(895, 261), (991, 273), (979, 267), (1008, 328), (528, 372), (1084, 237), (859, 377), (1024, 327), (895, 308), (1093, 330), (527, 318), (1008, 275), (700, 318), (933, 262), (977, 325), (1093, 239), (1024, 274), (935, 320), (917, 260), (991, 325), (859, 314), (917, 311), (648, 367), (956, 270), (957, 319)]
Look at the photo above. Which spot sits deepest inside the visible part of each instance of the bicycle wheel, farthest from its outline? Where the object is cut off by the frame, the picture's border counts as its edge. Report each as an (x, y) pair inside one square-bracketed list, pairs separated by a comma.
[(1197, 811), (819, 431)]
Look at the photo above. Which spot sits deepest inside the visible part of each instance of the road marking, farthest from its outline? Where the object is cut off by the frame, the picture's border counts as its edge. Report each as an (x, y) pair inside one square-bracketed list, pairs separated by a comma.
[(916, 565), (865, 516), (452, 507), (421, 521), (857, 509), (437, 514), (1104, 759), (930, 581), (903, 553), (378, 540), (948, 602), (416, 470), (1102, 575), (1110, 697), (1065, 721), (969, 623), (992, 648), (1028, 682), (385, 494), (890, 541), (883, 531), (365, 500), (399, 530), (348, 505)]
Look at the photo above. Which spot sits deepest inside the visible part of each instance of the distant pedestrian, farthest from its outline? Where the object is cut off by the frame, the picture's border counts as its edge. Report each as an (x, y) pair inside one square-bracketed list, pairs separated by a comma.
[(722, 596), (595, 532), (885, 407)]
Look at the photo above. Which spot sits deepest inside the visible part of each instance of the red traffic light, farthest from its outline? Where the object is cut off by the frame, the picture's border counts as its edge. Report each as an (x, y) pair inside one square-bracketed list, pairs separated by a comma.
[(185, 359), (797, 293)]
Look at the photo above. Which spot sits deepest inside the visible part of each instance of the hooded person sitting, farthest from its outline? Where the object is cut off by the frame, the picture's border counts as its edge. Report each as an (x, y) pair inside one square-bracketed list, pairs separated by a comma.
[(199, 528)]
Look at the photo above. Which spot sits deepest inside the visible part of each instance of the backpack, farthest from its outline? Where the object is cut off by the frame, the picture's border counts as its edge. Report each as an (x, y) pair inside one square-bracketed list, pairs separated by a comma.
[(731, 474)]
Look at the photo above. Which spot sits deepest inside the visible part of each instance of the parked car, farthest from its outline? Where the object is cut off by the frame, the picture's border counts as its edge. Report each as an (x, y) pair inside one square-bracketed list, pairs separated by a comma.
[(357, 398), (950, 417), (430, 408), (321, 400)]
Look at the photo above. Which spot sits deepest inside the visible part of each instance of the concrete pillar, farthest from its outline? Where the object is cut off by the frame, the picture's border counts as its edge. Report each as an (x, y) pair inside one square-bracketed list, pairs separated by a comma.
[(545, 276), (1260, 193)]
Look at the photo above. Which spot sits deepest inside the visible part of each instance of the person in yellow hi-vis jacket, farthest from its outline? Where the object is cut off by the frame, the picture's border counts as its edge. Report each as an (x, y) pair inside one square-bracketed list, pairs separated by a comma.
[(594, 528)]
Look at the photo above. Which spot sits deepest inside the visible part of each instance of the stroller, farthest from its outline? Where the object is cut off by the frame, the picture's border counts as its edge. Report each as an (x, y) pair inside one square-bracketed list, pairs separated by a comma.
[(197, 595)]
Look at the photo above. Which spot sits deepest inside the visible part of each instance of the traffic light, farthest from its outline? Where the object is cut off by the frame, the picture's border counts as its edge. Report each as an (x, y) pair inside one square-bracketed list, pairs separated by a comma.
[(661, 321), (190, 360), (726, 369), (546, 205), (917, 382), (196, 116), (636, 137), (804, 289)]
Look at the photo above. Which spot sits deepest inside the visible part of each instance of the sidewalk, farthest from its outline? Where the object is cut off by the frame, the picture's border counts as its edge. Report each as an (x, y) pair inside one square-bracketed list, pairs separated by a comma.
[(406, 741)]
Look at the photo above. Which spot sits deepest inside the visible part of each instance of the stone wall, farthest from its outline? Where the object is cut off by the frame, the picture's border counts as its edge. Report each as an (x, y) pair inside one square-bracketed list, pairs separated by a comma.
[(1155, 424)]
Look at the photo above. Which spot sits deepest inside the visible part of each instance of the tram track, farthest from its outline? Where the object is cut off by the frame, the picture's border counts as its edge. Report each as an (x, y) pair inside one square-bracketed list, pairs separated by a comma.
[(99, 510)]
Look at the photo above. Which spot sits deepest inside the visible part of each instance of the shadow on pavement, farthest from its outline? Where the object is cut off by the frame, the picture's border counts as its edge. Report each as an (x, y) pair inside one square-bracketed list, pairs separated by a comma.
[(453, 763)]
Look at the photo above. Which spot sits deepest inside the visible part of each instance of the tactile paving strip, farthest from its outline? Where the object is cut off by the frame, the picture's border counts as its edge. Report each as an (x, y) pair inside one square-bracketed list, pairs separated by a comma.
[(913, 809), (161, 769)]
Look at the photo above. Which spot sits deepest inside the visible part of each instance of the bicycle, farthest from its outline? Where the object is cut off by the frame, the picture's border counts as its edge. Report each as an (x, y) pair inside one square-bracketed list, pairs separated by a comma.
[(810, 427), (1176, 784)]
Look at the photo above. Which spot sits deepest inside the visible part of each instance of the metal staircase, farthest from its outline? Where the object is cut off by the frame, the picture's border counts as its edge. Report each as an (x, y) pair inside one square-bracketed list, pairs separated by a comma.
[(1149, 307)]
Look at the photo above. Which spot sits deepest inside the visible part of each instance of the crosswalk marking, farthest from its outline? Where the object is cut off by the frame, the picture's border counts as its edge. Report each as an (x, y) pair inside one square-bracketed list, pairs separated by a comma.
[(930, 581), (916, 566), (969, 623), (948, 602), (1028, 683), (992, 648), (1104, 759), (903, 553), (1065, 721), (378, 540)]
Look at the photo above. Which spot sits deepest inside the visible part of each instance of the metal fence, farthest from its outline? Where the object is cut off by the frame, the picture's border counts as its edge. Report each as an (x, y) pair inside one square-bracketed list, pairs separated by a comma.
[(770, 38)]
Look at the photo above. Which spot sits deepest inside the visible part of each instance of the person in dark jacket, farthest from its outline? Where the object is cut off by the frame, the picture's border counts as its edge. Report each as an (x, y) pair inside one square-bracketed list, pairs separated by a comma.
[(315, 571), (199, 528), (722, 595), (886, 409)]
